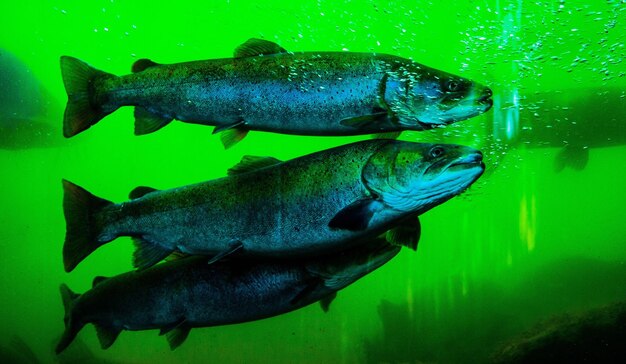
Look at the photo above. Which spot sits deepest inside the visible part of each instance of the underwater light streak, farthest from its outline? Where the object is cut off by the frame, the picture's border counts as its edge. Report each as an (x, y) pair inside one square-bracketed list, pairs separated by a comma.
[(410, 299), (528, 222)]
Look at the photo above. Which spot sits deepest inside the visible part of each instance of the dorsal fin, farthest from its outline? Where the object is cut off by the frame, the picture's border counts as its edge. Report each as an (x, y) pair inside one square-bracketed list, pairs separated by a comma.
[(142, 64), (251, 163), (97, 280), (140, 192), (257, 47)]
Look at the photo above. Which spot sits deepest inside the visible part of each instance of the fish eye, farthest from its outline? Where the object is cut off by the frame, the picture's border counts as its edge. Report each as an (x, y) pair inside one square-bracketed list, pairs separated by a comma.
[(453, 85), (436, 152)]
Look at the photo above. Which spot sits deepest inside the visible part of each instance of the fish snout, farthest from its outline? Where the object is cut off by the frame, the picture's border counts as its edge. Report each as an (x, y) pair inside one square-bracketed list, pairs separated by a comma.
[(470, 159), (485, 98)]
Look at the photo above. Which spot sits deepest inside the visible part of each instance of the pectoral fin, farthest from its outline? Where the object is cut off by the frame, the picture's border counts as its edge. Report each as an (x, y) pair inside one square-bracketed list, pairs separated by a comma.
[(355, 216), (147, 122), (177, 336), (234, 247), (571, 156), (407, 233), (338, 281), (326, 301), (305, 293), (251, 163), (375, 120)]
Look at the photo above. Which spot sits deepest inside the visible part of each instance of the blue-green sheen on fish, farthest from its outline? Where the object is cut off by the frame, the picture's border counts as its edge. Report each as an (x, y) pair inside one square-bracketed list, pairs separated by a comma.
[(266, 88), (188, 293), (325, 201)]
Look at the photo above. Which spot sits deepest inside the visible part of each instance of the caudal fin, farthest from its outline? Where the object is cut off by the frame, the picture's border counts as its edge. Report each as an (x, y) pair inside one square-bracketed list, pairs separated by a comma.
[(72, 327), (81, 238), (81, 111)]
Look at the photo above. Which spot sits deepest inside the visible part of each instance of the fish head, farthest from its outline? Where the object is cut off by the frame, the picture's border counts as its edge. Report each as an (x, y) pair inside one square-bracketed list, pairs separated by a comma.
[(414, 177), (346, 266), (427, 98)]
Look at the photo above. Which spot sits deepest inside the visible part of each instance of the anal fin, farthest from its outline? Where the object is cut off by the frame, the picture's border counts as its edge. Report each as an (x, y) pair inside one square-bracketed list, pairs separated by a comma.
[(221, 128), (231, 134), (147, 122), (148, 254), (164, 330), (106, 335), (231, 137), (177, 336), (326, 301)]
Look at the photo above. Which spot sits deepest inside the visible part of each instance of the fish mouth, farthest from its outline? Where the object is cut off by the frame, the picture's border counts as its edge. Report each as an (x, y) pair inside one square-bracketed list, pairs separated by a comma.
[(472, 160), (486, 98), (460, 109)]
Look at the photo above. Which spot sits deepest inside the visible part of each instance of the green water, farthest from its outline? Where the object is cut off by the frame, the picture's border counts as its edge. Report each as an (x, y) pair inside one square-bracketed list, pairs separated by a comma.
[(523, 244)]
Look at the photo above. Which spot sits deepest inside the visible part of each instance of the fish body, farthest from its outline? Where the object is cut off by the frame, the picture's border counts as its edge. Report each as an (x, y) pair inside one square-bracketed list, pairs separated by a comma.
[(18, 134), (583, 118), (573, 120), (321, 202), (187, 293), (25, 105), (267, 88)]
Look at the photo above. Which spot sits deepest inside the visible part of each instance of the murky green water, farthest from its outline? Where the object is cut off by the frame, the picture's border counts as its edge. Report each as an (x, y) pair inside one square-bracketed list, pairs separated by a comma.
[(523, 244)]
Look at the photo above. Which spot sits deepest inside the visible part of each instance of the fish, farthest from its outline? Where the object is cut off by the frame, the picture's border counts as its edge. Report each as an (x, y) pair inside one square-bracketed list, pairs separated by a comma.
[(17, 351), (187, 293), (594, 335), (316, 203), (574, 121), (266, 88), (25, 107), (16, 134)]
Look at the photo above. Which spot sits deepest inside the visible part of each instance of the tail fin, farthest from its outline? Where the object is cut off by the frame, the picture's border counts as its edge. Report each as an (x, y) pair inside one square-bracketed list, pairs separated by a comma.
[(71, 326), (81, 238), (81, 111)]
